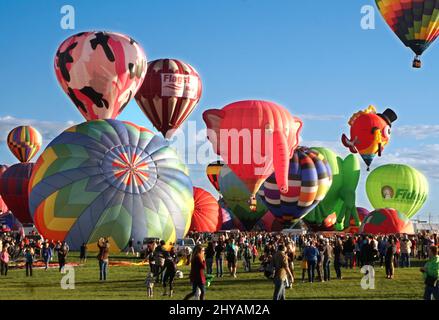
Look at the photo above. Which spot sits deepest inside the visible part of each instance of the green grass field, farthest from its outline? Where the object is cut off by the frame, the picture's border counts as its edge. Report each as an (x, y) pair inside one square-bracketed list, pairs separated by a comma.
[(127, 282)]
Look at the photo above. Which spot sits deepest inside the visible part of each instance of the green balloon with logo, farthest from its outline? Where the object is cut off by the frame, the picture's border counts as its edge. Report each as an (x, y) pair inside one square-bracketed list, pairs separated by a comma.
[(397, 186)]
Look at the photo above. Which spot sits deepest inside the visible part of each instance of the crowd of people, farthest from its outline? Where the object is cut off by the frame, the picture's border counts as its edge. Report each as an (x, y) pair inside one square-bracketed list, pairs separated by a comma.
[(273, 254)]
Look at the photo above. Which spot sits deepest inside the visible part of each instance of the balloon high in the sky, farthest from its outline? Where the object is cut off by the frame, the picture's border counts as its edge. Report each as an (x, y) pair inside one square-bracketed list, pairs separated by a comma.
[(254, 138), (170, 92), (309, 179), (24, 142), (207, 216), (370, 133), (386, 221), (213, 171), (100, 72), (14, 185), (107, 178), (397, 186), (3, 206), (341, 197), (235, 195), (415, 22)]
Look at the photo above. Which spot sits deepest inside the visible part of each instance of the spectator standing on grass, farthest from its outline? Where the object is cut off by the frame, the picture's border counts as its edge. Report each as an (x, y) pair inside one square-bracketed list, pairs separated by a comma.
[(131, 247), (47, 255), (406, 247), (62, 255), (430, 272), (210, 254), (83, 253), (348, 251), (255, 252), (390, 258), (282, 273), (232, 257), (327, 257), (247, 254), (103, 258), (311, 255), (291, 254), (29, 259), (197, 277), (338, 251), (4, 260), (170, 270), (219, 257)]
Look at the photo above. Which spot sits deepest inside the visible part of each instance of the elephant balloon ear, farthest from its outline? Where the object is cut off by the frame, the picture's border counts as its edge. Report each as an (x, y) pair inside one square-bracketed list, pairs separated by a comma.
[(213, 118), (351, 172)]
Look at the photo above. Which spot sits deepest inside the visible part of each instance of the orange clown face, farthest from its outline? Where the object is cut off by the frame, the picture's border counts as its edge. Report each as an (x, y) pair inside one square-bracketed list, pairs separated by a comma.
[(370, 133)]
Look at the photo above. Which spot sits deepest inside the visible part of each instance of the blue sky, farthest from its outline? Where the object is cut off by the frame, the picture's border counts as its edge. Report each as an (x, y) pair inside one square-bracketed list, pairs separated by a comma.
[(311, 56)]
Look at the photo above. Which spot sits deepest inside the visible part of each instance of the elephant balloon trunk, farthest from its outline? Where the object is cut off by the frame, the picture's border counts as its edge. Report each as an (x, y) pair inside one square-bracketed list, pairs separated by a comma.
[(281, 160)]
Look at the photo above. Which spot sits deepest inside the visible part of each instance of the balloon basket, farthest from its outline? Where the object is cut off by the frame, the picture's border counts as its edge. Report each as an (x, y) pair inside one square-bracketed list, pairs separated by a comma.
[(417, 64)]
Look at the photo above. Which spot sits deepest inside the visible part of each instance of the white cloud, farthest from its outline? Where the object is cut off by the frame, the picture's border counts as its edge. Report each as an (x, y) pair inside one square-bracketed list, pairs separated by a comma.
[(419, 132), (48, 129)]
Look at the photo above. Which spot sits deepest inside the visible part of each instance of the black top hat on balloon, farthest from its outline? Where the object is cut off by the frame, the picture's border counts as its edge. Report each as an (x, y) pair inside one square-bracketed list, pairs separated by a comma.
[(389, 116)]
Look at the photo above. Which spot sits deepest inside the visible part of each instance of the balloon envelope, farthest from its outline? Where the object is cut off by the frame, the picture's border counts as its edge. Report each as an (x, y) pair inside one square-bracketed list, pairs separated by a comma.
[(236, 194), (3, 206), (170, 92), (100, 72), (415, 22), (24, 142), (108, 178), (207, 216), (397, 186), (309, 179), (212, 172), (14, 185), (254, 138), (386, 221)]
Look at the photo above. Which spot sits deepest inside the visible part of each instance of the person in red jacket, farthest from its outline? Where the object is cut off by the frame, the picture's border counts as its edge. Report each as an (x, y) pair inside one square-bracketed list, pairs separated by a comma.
[(197, 277)]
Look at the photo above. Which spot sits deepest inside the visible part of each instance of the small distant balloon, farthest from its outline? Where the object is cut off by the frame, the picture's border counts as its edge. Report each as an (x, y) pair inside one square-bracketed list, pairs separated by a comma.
[(24, 142)]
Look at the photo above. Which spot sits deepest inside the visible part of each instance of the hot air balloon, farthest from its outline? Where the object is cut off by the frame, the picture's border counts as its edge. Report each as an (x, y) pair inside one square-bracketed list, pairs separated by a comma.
[(341, 197), (415, 22), (107, 178), (3, 206), (309, 179), (370, 133), (207, 216), (254, 138), (236, 194), (397, 186), (169, 93), (212, 172), (100, 72), (228, 219), (24, 142), (386, 221), (269, 223), (362, 214), (14, 184)]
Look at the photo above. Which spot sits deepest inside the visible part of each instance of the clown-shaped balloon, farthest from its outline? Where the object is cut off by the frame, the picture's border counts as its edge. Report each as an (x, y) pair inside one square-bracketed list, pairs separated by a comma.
[(370, 133), (100, 72)]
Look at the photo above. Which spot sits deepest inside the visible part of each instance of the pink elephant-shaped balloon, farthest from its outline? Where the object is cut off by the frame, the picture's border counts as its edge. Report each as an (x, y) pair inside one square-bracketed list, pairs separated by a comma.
[(254, 138)]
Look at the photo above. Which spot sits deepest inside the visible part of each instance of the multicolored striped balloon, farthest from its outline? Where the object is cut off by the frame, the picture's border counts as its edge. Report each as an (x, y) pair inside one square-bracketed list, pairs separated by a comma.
[(213, 171), (107, 178), (24, 142), (415, 22), (14, 185), (309, 179), (169, 93)]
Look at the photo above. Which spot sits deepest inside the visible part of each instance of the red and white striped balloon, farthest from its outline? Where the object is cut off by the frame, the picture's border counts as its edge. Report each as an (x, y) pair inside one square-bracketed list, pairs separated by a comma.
[(169, 93)]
